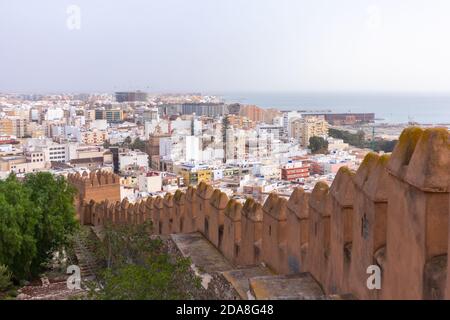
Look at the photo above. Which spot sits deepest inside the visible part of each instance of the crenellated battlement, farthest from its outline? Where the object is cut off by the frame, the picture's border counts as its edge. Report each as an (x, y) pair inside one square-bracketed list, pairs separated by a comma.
[(392, 213), (94, 178), (96, 185)]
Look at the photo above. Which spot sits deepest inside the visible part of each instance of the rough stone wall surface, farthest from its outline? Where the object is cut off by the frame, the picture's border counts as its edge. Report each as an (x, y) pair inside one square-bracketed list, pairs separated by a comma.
[(218, 203), (297, 231), (392, 214), (203, 195), (231, 244), (319, 232), (369, 222), (341, 212), (417, 216), (251, 239), (96, 186), (190, 221), (179, 218), (168, 215), (274, 238)]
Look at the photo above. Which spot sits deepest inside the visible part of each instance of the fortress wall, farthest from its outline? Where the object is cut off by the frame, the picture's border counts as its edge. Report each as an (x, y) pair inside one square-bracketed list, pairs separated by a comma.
[(342, 193), (274, 236), (81, 213), (231, 244), (179, 219), (135, 213), (130, 214), (97, 186), (104, 212), (190, 222), (149, 209), (369, 223), (110, 212), (218, 203), (417, 218), (158, 215), (117, 214), (142, 211), (168, 214), (319, 233), (251, 237), (91, 214), (125, 214), (297, 231), (393, 212), (447, 266), (204, 194)]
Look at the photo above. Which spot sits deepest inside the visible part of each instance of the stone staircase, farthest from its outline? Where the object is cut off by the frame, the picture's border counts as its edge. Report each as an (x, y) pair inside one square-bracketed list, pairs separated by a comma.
[(87, 262)]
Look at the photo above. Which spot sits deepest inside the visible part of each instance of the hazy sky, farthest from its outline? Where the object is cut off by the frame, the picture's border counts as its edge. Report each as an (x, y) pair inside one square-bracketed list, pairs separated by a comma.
[(225, 45)]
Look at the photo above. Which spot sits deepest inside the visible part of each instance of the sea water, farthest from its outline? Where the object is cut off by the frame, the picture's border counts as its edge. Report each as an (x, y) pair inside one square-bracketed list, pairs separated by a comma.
[(388, 107)]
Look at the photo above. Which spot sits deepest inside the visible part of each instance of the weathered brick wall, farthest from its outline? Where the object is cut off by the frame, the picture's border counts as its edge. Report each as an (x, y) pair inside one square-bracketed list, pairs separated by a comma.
[(298, 231), (232, 234), (369, 222), (342, 194), (190, 221), (252, 228), (319, 232), (179, 219), (392, 213), (218, 203), (417, 215), (96, 186), (203, 195), (274, 235), (168, 213)]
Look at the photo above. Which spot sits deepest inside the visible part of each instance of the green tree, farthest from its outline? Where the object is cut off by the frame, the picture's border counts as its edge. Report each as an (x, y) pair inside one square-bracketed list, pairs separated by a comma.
[(318, 145), (126, 243), (52, 198), (138, 144), (354, 139), (138, 266), (159, 278), (18, 221), (5, 279), (358, 140), (127, 142), (36, 218)]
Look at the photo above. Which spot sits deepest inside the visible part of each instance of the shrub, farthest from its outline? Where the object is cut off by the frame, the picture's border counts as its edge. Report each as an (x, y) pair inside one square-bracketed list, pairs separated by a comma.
[(5, 278)]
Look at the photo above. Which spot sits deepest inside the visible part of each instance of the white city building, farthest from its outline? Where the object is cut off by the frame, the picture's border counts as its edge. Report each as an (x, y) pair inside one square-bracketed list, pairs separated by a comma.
[(150, 182), (133, 160)]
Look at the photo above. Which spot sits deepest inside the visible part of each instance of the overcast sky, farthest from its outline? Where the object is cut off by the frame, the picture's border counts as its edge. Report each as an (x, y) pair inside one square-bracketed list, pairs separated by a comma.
[(224, 45)]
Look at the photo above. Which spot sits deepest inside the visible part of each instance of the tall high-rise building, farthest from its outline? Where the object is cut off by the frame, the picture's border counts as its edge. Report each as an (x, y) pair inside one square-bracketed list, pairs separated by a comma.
[(235, 144), (15, 126), (132, 96), (204, 109), (110, 115), (304, 128)]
